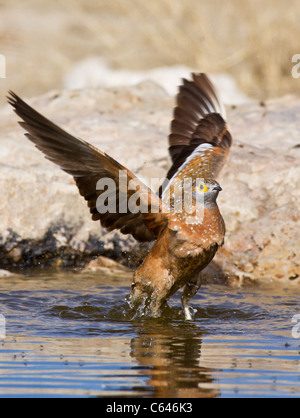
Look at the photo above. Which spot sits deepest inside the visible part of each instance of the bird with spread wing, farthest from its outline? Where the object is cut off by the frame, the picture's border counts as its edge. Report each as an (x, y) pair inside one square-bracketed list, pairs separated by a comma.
[(186, 236)]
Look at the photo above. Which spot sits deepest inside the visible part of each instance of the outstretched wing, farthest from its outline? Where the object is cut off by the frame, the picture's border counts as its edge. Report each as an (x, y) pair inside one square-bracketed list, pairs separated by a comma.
[(88, 165), (199, 132)]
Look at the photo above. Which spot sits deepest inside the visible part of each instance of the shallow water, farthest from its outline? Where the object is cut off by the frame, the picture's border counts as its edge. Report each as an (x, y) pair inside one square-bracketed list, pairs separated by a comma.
[(73, 335)]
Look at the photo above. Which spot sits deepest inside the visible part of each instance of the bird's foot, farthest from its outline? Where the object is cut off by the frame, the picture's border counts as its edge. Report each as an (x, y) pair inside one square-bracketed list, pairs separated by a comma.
[(187, 313), (189, 290), (144, 304)]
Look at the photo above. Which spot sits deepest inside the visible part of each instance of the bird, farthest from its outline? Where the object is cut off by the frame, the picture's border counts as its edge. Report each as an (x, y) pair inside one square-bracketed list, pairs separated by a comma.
[(186, 233)]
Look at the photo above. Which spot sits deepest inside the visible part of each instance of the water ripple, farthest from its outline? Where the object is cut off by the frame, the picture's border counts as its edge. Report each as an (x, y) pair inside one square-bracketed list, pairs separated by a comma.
[(73, 335)]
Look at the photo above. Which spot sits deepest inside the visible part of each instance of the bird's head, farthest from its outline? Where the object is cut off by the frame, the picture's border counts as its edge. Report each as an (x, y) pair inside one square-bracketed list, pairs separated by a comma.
[(184, 195), (205, 192)]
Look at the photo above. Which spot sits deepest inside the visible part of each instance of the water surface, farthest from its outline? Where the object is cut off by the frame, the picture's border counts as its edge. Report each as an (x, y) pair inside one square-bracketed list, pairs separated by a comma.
[(72, 334)]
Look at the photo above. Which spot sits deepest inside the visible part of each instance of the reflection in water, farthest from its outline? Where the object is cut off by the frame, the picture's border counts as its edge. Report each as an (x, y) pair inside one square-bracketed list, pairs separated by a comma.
[(173, 354), (74, 335)]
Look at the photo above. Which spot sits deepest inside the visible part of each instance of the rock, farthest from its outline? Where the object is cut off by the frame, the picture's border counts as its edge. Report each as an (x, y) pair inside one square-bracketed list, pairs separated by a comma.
[(94, 72), (42, 216), (43, 219), (261, 192), (102, 263), (4, 274)]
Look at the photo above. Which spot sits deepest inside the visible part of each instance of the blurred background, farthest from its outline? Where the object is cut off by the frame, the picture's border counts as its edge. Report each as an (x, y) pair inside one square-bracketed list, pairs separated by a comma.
[(252, 40)]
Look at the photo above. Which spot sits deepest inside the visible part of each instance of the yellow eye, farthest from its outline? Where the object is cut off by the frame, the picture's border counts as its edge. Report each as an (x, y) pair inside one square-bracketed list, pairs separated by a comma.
[(202, 188)]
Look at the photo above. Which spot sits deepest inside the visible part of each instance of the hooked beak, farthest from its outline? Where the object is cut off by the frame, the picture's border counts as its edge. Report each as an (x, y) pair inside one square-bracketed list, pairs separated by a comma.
[(218, 187)]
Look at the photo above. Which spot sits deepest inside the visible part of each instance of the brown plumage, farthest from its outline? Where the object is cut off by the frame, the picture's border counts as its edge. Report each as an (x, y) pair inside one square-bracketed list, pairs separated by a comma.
[(186, 239)]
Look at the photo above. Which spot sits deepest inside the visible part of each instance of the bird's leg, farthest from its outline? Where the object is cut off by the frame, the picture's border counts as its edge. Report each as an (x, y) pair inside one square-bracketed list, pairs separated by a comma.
[(189, 291), (147, 297)]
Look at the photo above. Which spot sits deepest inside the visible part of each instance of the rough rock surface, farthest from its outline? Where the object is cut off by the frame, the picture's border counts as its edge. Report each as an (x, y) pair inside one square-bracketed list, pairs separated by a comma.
[(261, 197), (94, 72), (44, 221)]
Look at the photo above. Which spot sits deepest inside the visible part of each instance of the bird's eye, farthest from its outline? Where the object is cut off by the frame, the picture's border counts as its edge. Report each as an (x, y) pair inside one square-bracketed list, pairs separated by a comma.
[(202, 188)]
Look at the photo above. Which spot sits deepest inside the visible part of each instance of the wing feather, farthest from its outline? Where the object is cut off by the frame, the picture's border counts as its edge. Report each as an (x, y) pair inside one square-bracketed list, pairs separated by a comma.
[(88, 165), (199, 118)]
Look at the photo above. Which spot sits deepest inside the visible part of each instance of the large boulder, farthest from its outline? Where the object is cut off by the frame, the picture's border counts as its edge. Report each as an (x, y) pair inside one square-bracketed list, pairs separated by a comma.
[(261, 198), (44, 221), (94, 72), (42, 216)]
